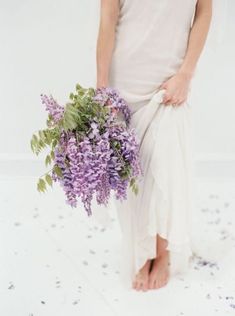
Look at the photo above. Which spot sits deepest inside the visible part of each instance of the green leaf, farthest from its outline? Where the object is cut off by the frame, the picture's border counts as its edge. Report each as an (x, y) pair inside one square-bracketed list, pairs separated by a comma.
[(58, 171), (41, 185), (52, 155), (79, 87), (49, 179), (41, 134), (135, 189), (48, 160), (48, 122), (32, 145), (41, 143), (47, 137), (54, 143), (69, 122), (132, 182), (91, 92), (35, 139)]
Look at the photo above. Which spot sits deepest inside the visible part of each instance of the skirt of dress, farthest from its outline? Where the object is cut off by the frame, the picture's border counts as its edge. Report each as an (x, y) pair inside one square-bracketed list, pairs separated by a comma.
[(163, 204)]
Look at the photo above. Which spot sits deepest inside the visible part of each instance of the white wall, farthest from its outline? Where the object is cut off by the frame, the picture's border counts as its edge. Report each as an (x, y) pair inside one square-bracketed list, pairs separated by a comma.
[(212, 95), (46, 46), (49, 46)]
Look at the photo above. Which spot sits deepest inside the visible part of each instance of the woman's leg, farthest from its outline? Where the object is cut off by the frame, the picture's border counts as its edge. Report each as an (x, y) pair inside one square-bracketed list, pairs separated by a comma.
[(159, 273)]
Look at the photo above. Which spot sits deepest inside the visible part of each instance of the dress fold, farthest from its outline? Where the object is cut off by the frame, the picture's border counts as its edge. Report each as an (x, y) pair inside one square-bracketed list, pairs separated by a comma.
[(151, 40), (162, 205)]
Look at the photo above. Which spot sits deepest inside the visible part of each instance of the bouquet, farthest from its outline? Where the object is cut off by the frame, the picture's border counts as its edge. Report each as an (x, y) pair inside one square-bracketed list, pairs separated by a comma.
[(92, 148)]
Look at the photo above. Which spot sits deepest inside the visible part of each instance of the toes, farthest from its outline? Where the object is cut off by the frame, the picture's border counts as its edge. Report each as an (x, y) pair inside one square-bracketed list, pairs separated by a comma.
[(134, 284), (140, 282), (151, 283), (145, 286), (161, 282), (157, 282), (139, 286)]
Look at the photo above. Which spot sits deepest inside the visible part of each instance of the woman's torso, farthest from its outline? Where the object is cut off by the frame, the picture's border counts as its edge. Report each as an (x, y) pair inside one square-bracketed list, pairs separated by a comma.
[(151, 42)]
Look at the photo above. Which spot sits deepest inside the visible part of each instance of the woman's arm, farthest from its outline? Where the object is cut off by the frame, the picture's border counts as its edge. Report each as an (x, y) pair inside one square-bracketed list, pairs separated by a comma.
[(106, 39), (197, 36), (177, 86)]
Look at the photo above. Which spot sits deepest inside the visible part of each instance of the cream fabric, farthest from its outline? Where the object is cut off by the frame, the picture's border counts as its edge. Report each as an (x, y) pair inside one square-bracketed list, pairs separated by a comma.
[(164, 203), (151, 41)]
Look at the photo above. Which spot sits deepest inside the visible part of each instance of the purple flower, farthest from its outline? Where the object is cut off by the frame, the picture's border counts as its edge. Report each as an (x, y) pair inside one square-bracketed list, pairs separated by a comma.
[(111, 97), (55, 110), (101, 159)]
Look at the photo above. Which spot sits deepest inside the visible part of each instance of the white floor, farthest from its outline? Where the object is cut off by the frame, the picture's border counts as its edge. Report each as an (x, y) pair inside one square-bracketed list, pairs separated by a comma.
[(56, 261)]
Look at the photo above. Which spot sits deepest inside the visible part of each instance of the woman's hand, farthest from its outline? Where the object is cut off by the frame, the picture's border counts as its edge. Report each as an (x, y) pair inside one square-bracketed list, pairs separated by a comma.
[(177, 88)]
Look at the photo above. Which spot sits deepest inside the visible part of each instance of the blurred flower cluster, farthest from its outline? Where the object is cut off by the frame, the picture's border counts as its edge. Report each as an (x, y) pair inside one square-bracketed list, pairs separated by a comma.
[(93, 149)]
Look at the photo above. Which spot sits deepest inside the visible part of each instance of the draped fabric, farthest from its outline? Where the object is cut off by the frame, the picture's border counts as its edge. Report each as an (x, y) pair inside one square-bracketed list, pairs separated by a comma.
[(163, 204), (151, 42)]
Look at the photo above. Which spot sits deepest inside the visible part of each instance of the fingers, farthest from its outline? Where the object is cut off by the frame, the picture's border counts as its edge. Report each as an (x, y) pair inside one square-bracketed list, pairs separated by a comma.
[(172, 100), (166, 98), (163, 86), (173, 96), (177, 102)]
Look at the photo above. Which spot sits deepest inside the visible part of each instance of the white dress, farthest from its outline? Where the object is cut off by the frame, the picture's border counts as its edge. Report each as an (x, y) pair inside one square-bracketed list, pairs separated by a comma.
[(151, 41)]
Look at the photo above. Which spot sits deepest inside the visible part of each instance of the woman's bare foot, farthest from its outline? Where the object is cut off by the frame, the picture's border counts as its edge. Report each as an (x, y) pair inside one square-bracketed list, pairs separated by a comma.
[(142, 277), (159, 273)]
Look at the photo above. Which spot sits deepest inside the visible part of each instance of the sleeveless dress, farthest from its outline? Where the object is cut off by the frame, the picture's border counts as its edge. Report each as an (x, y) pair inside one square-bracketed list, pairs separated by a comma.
[(151, 42)]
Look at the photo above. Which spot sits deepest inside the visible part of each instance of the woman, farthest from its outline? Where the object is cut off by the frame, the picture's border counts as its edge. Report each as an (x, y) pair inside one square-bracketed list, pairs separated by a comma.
[(148, 50)]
